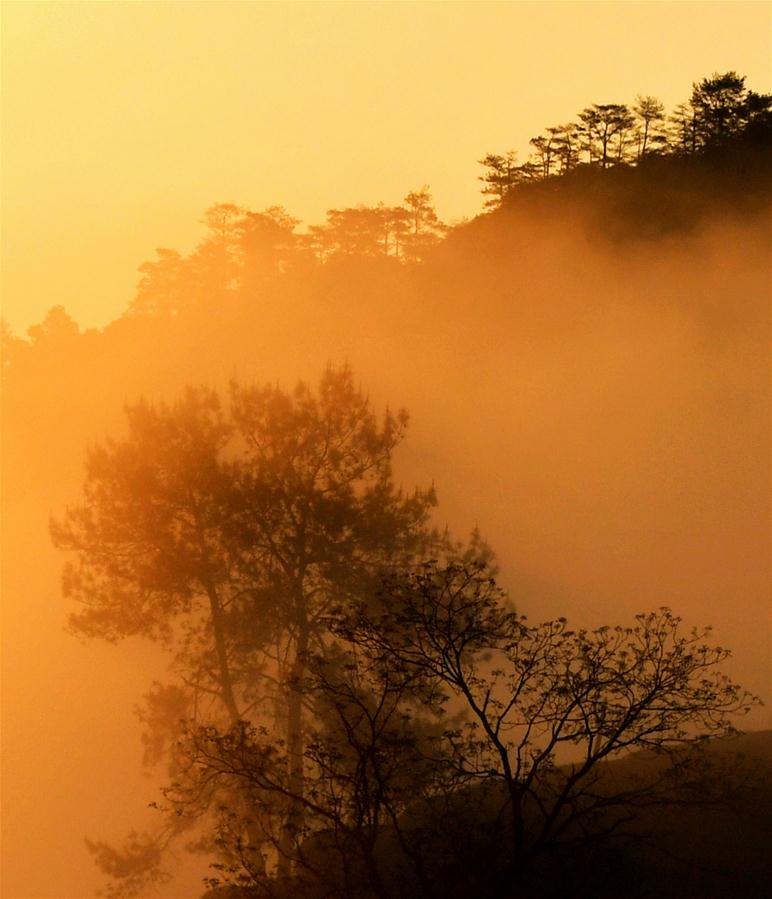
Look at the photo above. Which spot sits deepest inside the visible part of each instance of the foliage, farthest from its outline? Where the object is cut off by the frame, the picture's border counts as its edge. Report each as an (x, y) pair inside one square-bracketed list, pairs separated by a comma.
[(649, 113), (57, 326), (405, 232), (605, 124), (244, 254), (439, 704), (719, 111), (500, 177), (719, 103), (424, 228), (226, 534), (137, 864)]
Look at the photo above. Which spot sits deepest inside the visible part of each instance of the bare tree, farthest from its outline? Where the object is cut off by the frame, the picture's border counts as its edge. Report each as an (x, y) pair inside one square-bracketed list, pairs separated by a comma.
[(441, 698)]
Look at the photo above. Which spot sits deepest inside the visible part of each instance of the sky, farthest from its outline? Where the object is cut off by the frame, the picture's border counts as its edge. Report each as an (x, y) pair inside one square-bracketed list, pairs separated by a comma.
[(124, 121)]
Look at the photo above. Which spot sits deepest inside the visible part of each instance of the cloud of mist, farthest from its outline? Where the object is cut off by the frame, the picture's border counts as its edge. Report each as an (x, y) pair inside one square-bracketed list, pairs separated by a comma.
[(601, 410)]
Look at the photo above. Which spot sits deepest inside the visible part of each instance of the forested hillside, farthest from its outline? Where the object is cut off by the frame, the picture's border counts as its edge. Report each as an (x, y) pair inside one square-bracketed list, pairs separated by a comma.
[(585, 366)]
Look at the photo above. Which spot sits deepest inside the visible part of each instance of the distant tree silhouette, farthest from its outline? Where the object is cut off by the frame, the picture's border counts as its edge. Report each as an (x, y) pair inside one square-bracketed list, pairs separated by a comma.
[(166, 286), (685, 124), (758, 109), (268, 247), (358, 231), (402, 232), (719, 112), (12, 348), (605, 124), (423, 227), (242, 253), (216, 261), (395, 226), (546, 147), (58, 325), (566, 146), (500, 177), (719, 103), (649, 113)]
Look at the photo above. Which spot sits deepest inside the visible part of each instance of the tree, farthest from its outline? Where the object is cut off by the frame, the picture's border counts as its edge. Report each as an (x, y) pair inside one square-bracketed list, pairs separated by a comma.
[(11, 348), (365, 764), (166, 286), (357, 231), (267, 245), (529, 690), (566, 141), (242, 252), (395, 224), (545, 147), (650, 113), (720, 105), (602, 123), (685, 123), (424, 228), (758, 114), (227, 533), (217, 260), (445, 708), (558, 145), (371, 231), (56, 328), (501, 176)]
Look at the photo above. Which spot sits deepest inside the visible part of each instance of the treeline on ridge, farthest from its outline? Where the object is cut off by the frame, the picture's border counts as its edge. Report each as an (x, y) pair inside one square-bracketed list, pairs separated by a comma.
[(720, 113), (644, 171)]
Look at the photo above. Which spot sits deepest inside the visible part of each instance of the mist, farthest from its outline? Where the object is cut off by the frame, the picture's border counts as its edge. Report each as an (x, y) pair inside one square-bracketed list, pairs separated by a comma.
[(596, 404)]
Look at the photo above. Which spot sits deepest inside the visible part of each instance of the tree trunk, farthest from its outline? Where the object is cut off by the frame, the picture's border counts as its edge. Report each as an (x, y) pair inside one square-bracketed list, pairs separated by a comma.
[(218, 627), (254, 834), (295, 746)]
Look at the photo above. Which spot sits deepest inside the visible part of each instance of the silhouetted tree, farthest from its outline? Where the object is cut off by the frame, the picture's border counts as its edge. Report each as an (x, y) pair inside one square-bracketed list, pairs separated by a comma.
[(567, 146), (395, 225), (719, 103), (217, 260), (685, 124), (758, 114), (440, 706), (423, 228), (227, 535), (365, 765), (545, 147), (57, 326), (357, 231), (605, 124), (718, 112), (268, 245), (500, 177), (166, 287), (649, 113), (12, 347)]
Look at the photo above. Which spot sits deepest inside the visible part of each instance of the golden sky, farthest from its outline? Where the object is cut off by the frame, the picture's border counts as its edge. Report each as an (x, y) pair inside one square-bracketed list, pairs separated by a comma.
[(123, 121)]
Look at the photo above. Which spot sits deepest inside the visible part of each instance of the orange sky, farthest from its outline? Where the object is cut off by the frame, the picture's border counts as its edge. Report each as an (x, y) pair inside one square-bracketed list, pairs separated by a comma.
[(123, 121)]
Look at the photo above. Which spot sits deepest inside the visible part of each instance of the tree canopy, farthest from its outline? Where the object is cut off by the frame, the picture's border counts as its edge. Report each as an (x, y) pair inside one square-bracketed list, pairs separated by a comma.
[(458, 749), (719, 111), (227, 533)]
